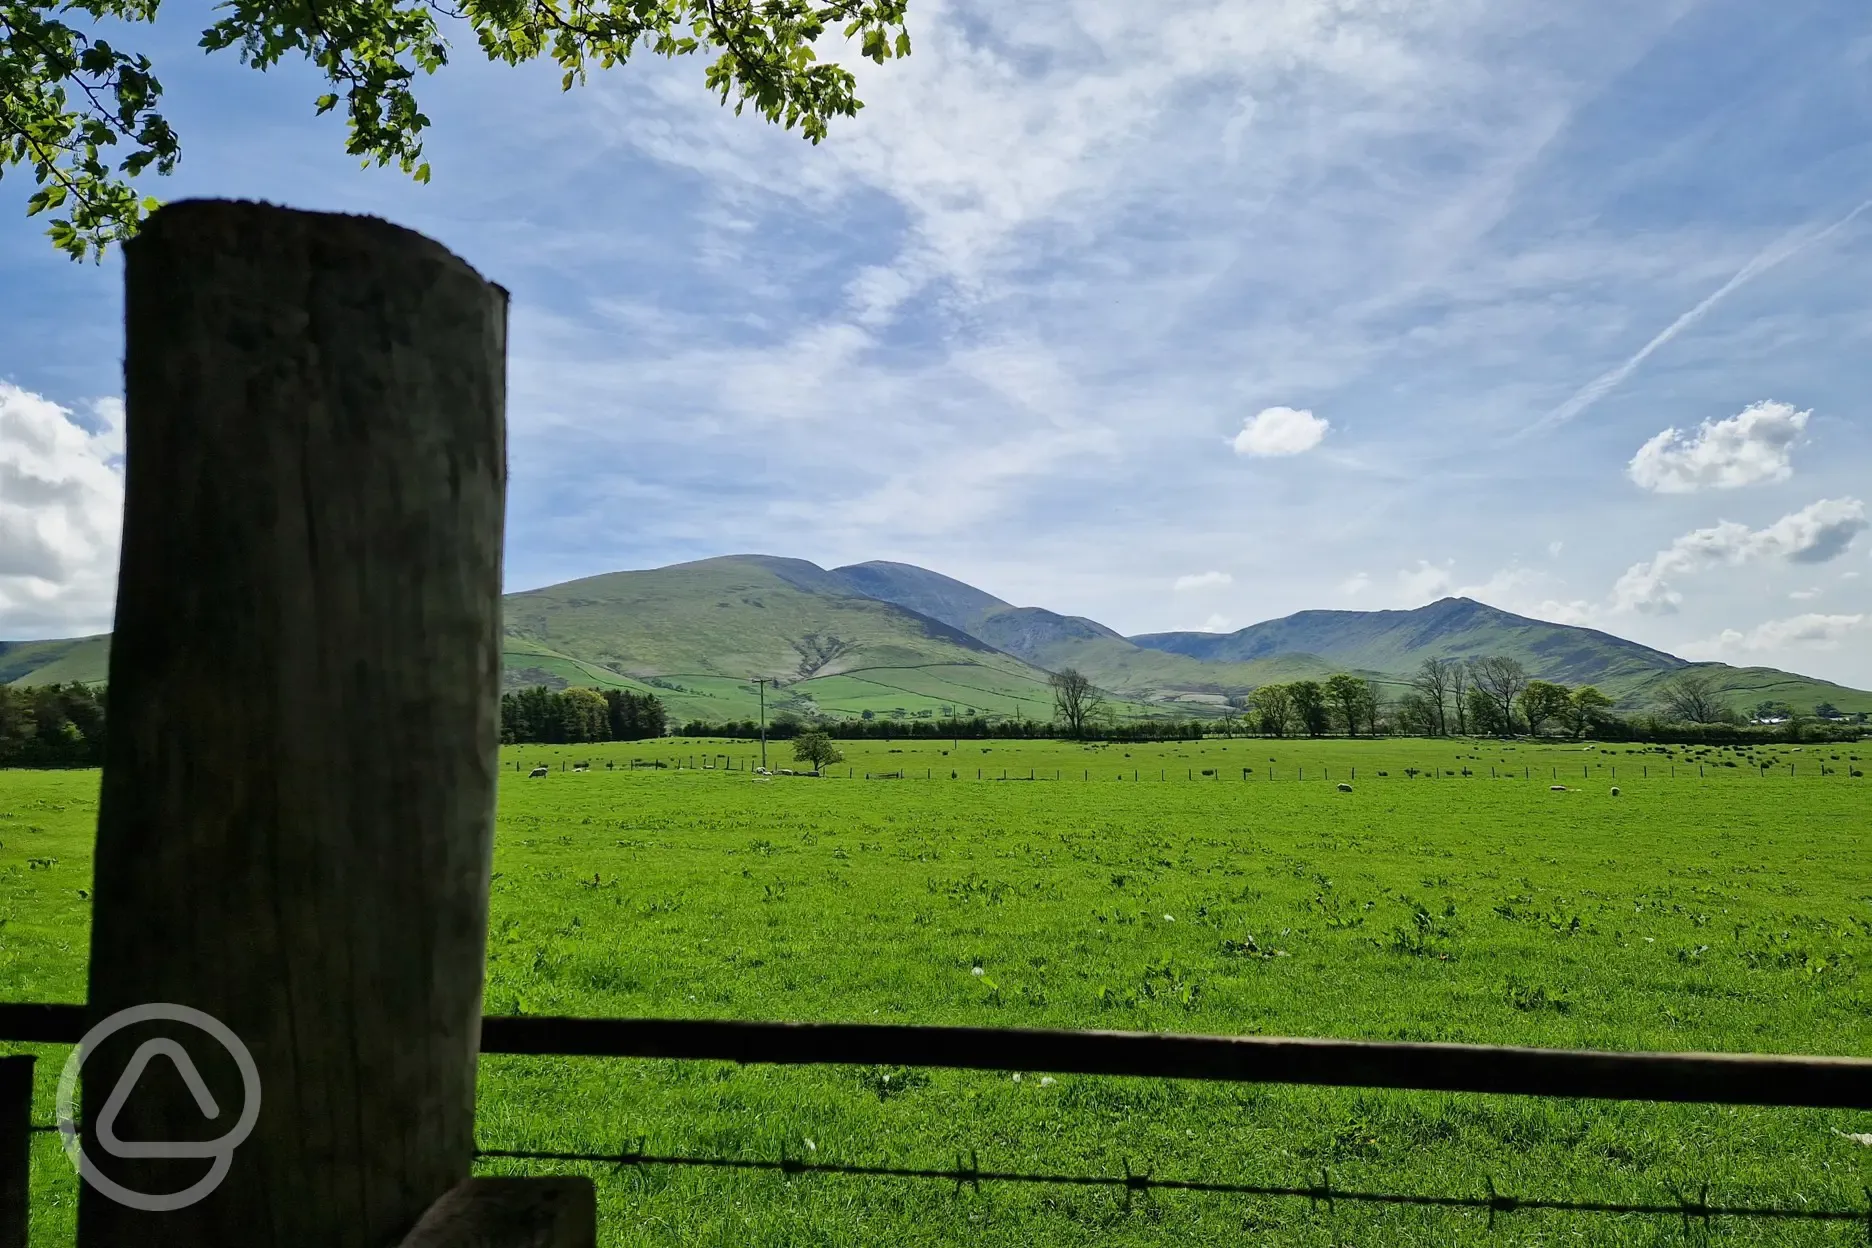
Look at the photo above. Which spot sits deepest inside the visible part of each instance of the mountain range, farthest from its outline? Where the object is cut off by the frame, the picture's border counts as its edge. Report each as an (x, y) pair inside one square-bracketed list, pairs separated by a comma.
[(896, 639)]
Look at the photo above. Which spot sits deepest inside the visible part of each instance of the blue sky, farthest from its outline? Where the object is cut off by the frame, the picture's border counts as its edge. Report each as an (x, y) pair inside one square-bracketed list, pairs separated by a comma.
[(1288, 304)]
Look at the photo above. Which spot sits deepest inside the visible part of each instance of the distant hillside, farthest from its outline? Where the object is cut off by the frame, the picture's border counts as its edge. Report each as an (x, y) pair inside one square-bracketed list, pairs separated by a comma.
[(1052, 641), (1399, 641), (898, 640), (82, 659), (928, 593), (698, 633)]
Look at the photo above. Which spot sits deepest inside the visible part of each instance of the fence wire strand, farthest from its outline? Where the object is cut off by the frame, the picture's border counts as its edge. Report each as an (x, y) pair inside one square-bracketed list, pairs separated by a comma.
[(1694, 1211)]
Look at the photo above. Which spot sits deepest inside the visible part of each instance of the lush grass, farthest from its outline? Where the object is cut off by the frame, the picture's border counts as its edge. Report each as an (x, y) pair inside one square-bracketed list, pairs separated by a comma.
[(1729, 911)]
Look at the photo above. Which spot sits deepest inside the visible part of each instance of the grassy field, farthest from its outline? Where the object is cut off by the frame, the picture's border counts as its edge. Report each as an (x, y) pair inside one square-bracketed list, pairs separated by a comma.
[(1717, 908)]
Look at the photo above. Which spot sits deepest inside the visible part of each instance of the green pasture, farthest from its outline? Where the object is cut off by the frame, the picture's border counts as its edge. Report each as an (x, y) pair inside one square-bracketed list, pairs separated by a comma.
[(1728, 910), (1238, 759)]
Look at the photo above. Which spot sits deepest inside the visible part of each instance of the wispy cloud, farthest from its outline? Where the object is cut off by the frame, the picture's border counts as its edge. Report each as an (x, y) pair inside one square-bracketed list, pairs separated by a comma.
[(1776, 253), (1816, 533), (1811, 632), (1202, 580)]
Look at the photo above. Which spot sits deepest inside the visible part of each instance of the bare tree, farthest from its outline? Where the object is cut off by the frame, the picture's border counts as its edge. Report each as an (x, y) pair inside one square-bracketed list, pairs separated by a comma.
[(1502, 679), (1076, 702), (1458, 674), (1434, 680), (1415, 716), (1691, 696), (1373, 705)]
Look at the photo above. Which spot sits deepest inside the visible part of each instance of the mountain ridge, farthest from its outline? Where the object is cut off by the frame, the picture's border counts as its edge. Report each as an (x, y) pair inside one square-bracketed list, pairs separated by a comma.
[(890, 638)]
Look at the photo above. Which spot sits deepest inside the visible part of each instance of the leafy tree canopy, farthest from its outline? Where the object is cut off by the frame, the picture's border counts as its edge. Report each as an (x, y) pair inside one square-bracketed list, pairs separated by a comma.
[(83, 114)]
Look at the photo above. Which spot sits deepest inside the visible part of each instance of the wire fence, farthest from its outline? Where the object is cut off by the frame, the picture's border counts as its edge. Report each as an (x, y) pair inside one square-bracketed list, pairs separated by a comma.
[(1694, 1211), (1710, 1078), (1323, 773)]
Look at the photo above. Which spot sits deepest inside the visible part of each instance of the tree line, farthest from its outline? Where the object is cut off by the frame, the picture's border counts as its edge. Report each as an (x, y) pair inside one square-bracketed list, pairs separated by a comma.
[(51, 726), (788, 724), (567, 716)]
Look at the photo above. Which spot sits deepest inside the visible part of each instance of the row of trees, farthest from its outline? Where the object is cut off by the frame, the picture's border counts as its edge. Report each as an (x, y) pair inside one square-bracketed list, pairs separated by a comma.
[(552, 717), (788, 725), (51, 726), (1494, 695)]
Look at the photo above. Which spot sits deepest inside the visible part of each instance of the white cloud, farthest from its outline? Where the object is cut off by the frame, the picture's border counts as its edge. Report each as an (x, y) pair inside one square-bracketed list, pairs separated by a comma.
[(1748, 448), (1811, 631), (1814, 534), (61, 511), (1355, 584), (1202, 580), (1215, 624), (1424, 582), (1554, 548), (1804, 595), (1275, 431)]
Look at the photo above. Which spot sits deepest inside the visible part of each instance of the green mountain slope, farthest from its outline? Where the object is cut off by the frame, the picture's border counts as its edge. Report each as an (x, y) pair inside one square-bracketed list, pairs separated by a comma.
[(82, 659), (1398, 641), (698, 634), (940, 597), (1052, 641), (897, 640)]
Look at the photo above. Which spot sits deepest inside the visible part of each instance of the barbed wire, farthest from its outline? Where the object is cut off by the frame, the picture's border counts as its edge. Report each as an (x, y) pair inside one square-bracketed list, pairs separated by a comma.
[(1697, 1211)]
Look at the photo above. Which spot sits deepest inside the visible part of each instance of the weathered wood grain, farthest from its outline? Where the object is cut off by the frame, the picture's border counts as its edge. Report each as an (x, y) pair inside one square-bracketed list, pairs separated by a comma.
[(556, 1212), (298, 795)]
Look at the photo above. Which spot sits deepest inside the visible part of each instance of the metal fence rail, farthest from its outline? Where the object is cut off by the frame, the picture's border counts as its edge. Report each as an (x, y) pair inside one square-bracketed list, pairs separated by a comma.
[(1710, 1078)]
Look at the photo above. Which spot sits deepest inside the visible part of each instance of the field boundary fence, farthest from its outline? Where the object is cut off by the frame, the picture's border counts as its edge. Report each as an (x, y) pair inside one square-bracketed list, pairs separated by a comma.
[(1557, 773), (1712, 1078)]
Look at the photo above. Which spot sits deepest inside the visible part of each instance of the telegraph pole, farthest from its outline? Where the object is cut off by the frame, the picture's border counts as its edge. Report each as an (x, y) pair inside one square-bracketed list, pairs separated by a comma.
[(762, 682)]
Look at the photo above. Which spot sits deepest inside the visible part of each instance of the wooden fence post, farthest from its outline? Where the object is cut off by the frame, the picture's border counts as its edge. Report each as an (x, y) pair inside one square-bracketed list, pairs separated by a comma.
[(16, 1089), (296, 821)]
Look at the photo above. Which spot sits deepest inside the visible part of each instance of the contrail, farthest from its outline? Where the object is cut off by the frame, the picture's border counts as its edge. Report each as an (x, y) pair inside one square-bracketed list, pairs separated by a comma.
[(1787, 246)]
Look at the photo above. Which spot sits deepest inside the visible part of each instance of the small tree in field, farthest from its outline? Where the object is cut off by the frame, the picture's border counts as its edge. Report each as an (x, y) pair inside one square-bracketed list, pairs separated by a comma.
[(1502, 679), (1274, 706), (1346, 694), (817, 749), (1542, 701), (1692, 697), (1076, 703), (1590, 709), (1310, 706)]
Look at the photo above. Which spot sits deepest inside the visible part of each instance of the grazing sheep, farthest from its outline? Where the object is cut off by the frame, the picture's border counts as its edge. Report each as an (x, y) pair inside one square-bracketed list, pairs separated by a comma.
[(536, 773), (1556, 788), (1345, 788), (1615, 790)]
